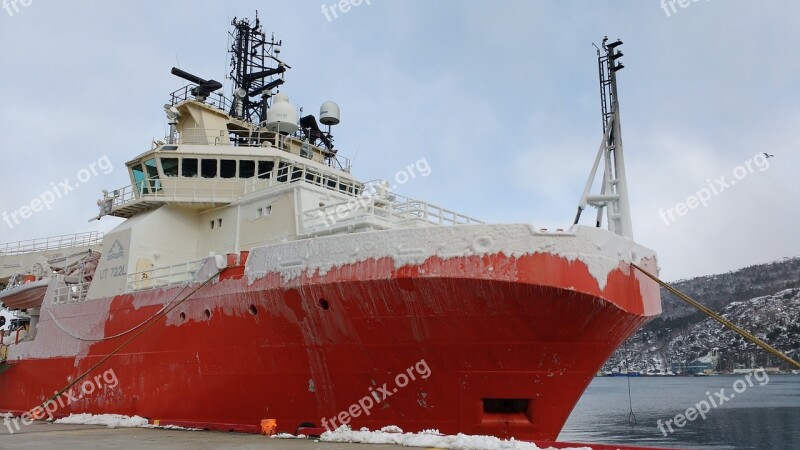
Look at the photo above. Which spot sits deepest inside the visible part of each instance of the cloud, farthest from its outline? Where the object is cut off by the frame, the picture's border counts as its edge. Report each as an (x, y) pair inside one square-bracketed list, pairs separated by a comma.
[(502, 100)]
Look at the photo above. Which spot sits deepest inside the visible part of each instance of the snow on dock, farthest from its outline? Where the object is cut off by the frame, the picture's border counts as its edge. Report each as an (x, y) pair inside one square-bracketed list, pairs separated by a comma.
[(124, 432)]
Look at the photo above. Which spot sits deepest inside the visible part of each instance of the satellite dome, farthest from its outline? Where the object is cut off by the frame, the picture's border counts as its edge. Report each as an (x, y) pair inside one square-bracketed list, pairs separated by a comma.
[(329, 113), (282, 115)]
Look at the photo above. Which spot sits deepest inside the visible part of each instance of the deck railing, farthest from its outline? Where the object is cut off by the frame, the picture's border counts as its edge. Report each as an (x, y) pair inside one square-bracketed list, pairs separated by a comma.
[(52, 243), (164, 276), (208, 190), (215, 99), (258, 137), (71, 293), (383, 205), (214, 190)]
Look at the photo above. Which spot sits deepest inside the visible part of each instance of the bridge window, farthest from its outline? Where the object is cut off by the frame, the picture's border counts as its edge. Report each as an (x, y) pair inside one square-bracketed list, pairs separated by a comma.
[(329, 182), (265, 169), (227, 168), (138, 177), (189, 167), (154, 184), (345, 187), (312, 176), (247, 169), (283, 172), (297, 173), (152, 170), (208, 168), (169, 166)]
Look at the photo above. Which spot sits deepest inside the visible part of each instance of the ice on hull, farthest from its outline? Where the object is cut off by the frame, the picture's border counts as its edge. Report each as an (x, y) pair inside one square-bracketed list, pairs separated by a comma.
[(534, 328)]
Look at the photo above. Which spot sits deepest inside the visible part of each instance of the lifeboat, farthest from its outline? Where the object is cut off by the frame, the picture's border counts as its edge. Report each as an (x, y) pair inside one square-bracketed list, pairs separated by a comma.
[(26, 295)]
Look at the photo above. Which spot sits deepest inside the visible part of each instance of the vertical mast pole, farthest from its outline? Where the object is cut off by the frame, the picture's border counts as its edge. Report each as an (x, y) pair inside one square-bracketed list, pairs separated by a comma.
[(614, 186)]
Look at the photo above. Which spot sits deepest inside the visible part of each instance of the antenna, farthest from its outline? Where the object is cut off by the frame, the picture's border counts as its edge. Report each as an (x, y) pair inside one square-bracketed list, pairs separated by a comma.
[(204, 87), (614, 188), (251, 57)]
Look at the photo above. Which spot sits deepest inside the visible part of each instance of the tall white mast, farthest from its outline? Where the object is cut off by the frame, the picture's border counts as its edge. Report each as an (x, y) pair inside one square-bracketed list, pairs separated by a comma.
[(613, 196)]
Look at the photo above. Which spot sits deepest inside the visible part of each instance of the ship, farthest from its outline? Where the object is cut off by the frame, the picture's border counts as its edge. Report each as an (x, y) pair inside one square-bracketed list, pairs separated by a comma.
[(255, 280)]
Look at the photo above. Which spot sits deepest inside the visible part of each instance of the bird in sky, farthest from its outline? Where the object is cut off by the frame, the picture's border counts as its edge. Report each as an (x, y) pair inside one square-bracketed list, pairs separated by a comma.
[(768, 155)]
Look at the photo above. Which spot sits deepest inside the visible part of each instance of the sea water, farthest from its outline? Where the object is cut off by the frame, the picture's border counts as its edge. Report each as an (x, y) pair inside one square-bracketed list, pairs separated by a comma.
[(742, 413)]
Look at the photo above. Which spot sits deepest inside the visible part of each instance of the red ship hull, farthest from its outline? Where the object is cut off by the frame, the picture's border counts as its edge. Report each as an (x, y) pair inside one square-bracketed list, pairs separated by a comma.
[(508, 351)]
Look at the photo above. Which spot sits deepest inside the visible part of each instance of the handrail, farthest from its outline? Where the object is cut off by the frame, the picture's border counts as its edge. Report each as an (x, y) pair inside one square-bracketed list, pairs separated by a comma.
[(218, 190), (250, 137), (71, 293), (387, 206), (164, 276), (216, 99), (257, 137), (288, 172), (52, 243), (179, 189)]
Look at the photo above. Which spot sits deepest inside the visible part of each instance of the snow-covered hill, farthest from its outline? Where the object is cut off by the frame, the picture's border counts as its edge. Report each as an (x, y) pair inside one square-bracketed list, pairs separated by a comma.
[(773, 318)]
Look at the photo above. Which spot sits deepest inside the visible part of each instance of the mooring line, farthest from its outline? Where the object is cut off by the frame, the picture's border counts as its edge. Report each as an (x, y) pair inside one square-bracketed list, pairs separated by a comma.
[(631, 415), (108, 338), (727, 323), (153, 321)]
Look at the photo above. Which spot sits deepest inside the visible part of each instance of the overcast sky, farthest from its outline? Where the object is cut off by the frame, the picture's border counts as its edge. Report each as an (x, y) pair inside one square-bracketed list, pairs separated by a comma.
[(500, 98)]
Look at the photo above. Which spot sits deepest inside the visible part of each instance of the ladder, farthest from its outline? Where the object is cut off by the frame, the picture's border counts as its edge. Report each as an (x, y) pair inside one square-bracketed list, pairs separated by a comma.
[(613, 197)]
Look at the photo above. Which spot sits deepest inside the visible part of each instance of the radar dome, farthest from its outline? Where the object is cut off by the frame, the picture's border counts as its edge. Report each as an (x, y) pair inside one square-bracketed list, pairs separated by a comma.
[(329, 113), (282, 115)]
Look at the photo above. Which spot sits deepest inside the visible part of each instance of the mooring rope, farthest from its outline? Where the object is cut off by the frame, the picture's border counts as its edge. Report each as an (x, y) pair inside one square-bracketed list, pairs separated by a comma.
[(153, 321), (631, 415), (772, 350), (107, 338)]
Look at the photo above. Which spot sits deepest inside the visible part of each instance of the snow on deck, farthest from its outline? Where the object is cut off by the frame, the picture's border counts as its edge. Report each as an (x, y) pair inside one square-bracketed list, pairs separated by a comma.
[(601, 250)]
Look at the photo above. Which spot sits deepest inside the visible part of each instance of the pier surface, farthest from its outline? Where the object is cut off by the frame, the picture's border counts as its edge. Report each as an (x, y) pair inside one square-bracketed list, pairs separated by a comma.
[(48, 436), (44, 435)]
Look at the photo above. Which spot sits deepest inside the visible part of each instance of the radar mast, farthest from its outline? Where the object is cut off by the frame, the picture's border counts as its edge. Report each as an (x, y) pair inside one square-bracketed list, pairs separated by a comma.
[(613, 197), (254, 67)]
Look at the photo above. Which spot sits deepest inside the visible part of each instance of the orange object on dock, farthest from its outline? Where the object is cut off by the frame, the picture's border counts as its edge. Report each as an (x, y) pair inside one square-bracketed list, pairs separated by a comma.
[(268, 426)]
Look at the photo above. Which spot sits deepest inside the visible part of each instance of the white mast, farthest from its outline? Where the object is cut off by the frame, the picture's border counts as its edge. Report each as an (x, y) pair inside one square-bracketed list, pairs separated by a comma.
[(613, 195)]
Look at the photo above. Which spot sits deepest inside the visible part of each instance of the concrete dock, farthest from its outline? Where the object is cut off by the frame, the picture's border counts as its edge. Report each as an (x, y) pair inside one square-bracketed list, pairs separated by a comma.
[(49, 436)]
